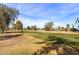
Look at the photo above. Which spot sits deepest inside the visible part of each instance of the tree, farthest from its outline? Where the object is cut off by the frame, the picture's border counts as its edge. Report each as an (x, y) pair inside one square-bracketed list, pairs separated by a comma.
[(77, 21), (73, 28), (25, 29), (19, 25), (14, 27), (7, 16), (28, 28), (34, 27), (58, 27), (48, 26), (68, 25)]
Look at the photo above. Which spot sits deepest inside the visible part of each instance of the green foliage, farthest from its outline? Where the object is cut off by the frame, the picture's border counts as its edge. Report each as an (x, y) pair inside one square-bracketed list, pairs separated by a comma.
[(33, 27), (68, 25), (48, 26), (13, 26), (7, 15), (77, 21), (17, 26), (28, 28)]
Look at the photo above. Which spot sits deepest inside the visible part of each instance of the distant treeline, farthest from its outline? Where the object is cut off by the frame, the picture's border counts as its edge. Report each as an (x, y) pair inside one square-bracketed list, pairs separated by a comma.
[(50, 27)]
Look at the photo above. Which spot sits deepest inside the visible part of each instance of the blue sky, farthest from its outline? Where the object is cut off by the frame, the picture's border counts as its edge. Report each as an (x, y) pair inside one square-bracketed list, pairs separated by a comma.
[(41, 13)]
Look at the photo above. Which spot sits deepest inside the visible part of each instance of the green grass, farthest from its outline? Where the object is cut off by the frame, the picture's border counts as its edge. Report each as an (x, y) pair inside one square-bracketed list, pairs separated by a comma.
[(73, 38), (35, 34), (28, 46), (41, 35)]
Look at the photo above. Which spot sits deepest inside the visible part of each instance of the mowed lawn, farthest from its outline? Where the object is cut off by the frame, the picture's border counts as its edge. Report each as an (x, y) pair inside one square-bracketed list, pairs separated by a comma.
[(44, 35), (25, 44)]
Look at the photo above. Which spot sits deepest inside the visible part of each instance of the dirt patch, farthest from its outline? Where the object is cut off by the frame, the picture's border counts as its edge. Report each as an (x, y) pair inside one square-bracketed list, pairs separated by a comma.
[(9, 36), (57, 50), (22, 44), (9, 39)]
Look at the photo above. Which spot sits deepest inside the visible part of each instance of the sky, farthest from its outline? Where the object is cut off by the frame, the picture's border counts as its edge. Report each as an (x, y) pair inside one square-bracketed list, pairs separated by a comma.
[(41, 13)]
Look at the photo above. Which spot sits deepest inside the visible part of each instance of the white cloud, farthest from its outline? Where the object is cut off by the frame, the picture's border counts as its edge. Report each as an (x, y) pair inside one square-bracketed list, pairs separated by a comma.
[(29, 22), (60, 15)]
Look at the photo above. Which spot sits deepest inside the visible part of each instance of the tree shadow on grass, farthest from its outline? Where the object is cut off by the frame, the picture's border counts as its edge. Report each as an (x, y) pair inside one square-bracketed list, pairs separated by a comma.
[(6, 37), (58, 46), (42, 42)]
